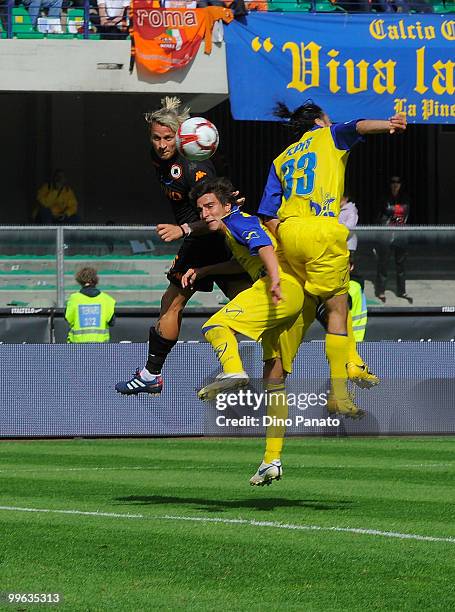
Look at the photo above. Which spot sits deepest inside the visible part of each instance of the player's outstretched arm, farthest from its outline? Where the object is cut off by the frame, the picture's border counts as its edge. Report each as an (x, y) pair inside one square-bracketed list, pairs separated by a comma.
[(395, 125), (268, 257)]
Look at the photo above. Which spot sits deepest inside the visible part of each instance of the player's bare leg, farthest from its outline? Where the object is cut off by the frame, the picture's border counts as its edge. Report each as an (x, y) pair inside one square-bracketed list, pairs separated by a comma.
[(162, 339), (173, 304), (337, 352)]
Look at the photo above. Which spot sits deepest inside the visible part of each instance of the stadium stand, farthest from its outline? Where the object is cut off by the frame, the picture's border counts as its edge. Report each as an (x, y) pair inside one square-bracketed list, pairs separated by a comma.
[(22, 25), (73, 22), (132, 266)]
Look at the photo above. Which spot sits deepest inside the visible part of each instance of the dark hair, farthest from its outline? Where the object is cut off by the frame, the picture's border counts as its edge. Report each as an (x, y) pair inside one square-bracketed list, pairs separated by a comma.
[(221, 187), (87, 276), (301, 119)]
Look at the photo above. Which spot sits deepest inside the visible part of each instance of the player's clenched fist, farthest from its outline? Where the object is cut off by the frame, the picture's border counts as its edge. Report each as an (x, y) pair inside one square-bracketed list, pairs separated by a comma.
[(398, 123), (169, 232), (189, 278)]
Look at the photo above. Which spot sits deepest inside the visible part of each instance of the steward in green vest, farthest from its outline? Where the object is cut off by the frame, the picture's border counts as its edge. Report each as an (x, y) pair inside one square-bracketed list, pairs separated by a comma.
[(89, 312), (358, 306)]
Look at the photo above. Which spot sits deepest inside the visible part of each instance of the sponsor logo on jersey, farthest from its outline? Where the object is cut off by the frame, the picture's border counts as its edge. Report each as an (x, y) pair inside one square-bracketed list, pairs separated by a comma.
[(200, 174), (176, 171), (234, 311), (249, 235)]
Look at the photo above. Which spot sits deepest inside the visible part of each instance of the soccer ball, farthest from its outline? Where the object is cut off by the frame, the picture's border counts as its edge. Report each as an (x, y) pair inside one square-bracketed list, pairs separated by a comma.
[(197, 139)]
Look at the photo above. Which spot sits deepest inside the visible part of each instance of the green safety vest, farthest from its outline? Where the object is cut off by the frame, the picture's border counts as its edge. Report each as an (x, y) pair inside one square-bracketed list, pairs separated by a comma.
[(88, 317), (358, 310)]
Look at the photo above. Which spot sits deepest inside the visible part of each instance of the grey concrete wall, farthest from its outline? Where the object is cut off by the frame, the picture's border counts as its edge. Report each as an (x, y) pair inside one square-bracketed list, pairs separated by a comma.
[(81, 65)]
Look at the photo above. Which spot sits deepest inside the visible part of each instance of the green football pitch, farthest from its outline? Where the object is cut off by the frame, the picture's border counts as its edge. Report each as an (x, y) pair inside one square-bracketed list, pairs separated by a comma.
[(172, 524)]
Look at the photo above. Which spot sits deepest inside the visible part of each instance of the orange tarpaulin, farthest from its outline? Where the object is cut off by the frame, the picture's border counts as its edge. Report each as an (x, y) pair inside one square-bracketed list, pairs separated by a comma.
[(167, 39)]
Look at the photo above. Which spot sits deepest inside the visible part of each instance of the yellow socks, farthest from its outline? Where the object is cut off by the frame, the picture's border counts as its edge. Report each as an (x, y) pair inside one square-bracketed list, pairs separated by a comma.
[(337, 351), (226, 348), (277, 407)]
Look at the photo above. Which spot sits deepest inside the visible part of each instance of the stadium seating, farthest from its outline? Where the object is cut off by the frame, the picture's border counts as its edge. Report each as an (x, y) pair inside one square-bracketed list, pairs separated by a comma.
[(443, 6), (290, 6), (22, 25), (134, 281), (75, 23), (325, 6)]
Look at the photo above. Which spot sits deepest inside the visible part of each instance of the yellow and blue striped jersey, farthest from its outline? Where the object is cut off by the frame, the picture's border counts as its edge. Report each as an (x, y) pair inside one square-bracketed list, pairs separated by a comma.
[(307, 179), (245, 235)]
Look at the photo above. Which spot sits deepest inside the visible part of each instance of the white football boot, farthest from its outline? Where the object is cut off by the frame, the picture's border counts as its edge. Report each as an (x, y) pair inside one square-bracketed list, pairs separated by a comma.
[(266, 473)]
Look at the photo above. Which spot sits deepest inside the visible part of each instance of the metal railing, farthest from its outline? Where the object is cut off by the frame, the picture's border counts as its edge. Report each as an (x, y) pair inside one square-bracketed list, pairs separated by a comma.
[(83, 21), (37, 265)]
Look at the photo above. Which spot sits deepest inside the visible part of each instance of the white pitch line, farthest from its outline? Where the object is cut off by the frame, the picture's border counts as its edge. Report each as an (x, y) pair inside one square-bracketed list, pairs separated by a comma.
[(251, 523), (98, 469), (77, 469)]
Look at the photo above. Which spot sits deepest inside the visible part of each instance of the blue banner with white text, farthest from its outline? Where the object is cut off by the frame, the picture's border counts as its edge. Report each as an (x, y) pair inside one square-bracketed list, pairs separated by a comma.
[(354, 66)]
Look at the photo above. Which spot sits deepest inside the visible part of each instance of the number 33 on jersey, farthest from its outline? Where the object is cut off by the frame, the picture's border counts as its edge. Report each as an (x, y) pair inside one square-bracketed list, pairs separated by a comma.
[(307, 179)]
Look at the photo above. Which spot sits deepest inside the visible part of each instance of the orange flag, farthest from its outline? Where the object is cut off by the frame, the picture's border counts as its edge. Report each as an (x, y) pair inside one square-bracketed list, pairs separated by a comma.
[(167, 39)]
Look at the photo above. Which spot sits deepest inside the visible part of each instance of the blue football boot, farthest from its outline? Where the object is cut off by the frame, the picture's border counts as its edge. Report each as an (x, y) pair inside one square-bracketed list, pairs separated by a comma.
[(138, 385)]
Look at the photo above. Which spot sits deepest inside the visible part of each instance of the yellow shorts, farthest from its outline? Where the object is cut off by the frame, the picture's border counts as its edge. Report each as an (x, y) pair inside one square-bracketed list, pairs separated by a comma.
[(253, 313), (316, 249), (284, 342)]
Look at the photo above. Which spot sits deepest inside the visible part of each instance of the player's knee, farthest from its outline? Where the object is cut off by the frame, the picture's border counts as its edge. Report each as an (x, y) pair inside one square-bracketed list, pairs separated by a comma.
[(273, 372), (210, 330), (173, 303)]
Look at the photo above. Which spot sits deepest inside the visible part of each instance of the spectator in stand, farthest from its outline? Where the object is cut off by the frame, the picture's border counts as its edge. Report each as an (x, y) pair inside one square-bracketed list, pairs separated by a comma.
[(89, 312), (34, 8), (113, 15), (394, 212), (56, 202), (3, 15)]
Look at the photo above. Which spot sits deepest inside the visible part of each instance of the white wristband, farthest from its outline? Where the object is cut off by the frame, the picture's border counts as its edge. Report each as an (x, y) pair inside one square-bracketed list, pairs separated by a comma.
[(186, 228)]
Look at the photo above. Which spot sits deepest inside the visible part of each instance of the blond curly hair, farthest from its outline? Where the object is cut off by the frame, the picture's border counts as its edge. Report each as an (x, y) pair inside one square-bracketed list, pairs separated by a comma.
[(170, 114)]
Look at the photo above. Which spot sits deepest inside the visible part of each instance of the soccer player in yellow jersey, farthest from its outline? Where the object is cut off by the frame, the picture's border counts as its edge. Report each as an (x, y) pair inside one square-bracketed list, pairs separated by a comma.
[(301, 203), (271, 310)]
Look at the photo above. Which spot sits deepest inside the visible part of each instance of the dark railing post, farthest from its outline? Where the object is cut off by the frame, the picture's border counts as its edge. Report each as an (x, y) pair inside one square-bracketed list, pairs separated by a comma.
[(9, 19), (86, 18)]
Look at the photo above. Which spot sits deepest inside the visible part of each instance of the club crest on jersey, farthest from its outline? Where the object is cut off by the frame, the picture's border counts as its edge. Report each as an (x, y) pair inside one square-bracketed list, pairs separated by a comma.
[(249, 235), (176, 171)]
